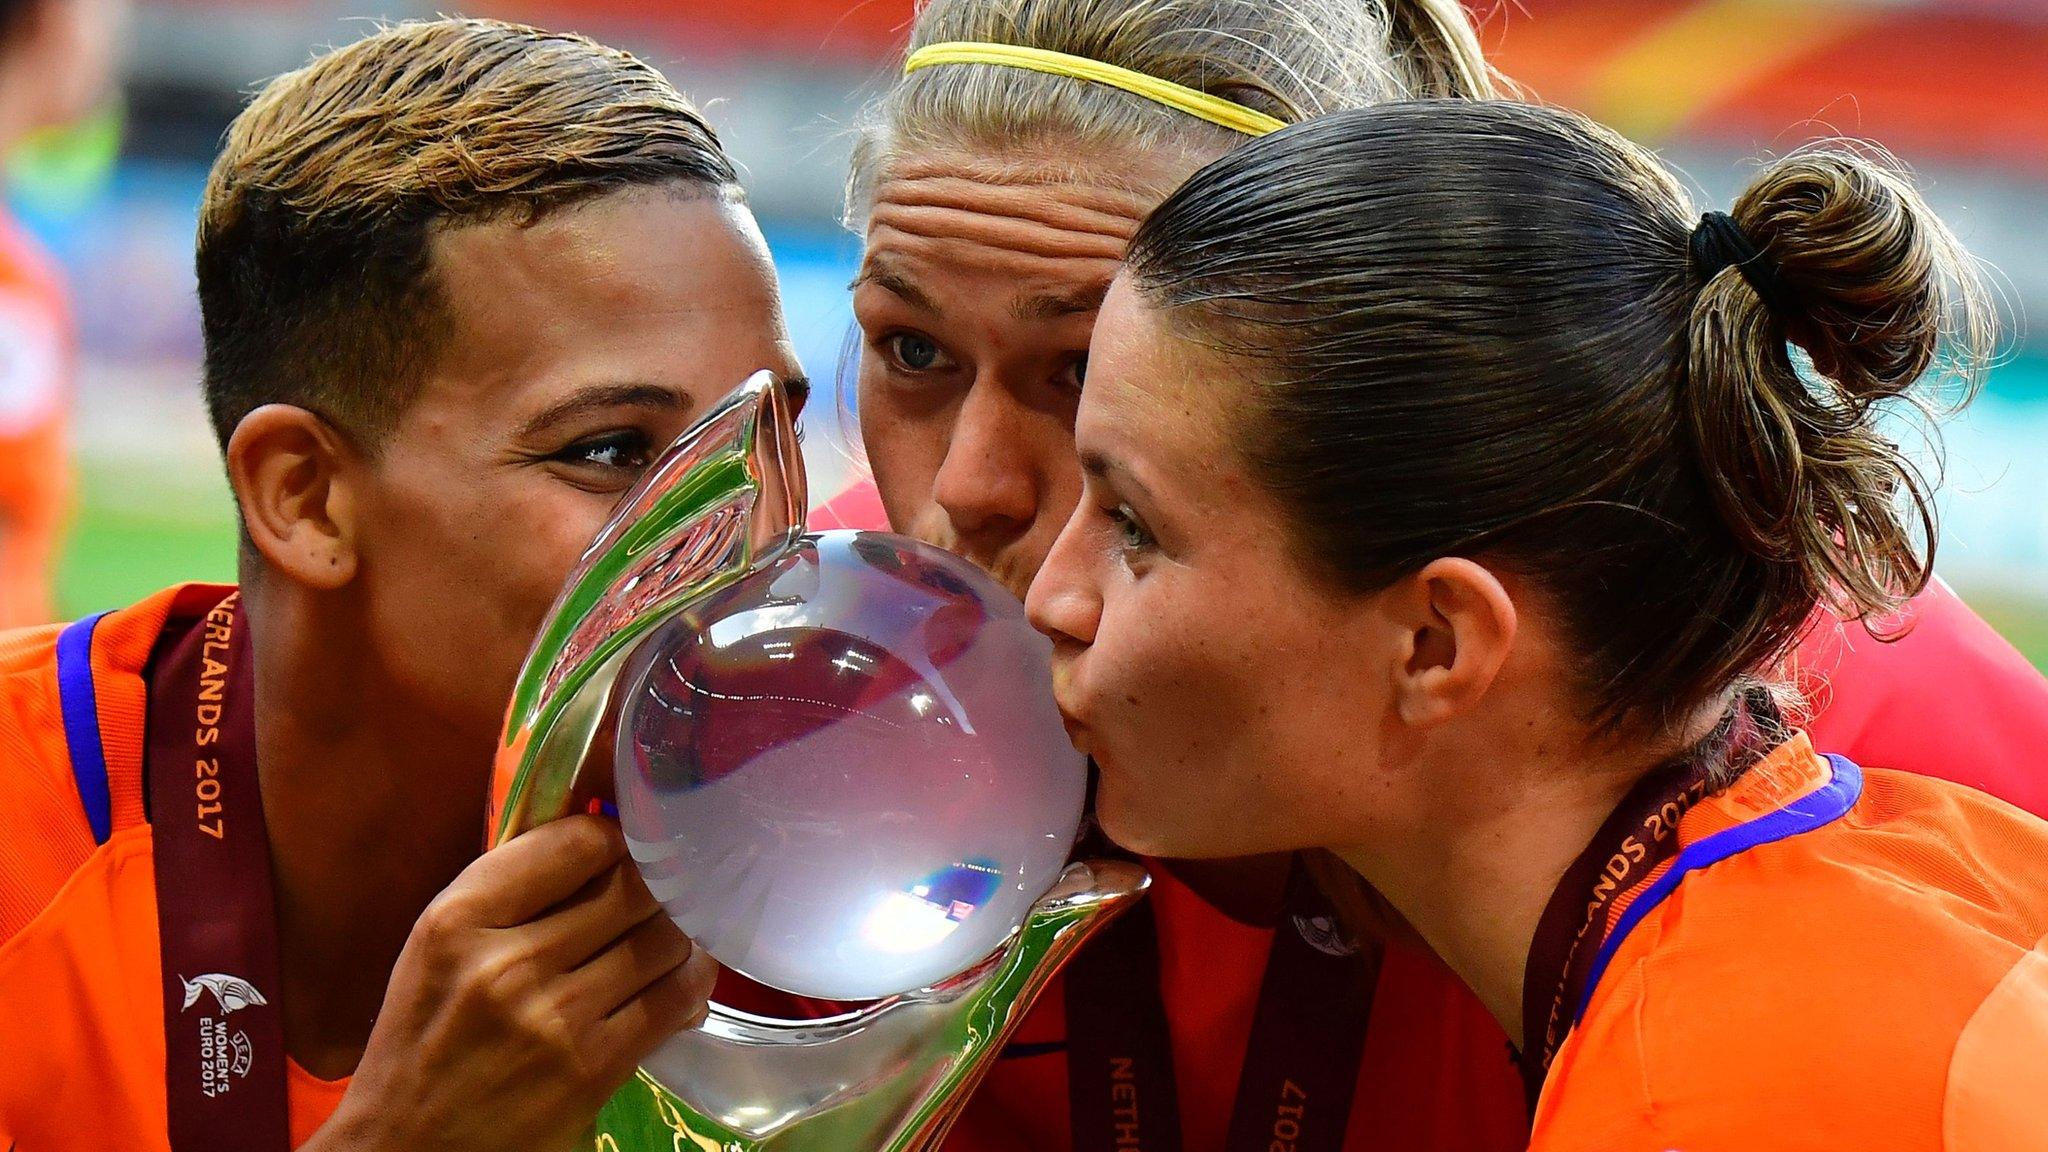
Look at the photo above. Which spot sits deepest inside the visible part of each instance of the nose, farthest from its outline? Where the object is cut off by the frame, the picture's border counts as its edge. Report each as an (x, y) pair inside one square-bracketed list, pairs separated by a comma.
[(1065, 600), (986, 484)]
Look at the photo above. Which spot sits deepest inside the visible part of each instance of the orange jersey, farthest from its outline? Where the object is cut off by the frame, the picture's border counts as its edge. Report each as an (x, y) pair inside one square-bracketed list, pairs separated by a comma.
[(1836, 958), (81, 985), (35, 395)]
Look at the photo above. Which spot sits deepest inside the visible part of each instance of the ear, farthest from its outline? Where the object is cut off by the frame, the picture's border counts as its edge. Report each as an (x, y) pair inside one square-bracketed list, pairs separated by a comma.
[(1460, 625), (291, 474)]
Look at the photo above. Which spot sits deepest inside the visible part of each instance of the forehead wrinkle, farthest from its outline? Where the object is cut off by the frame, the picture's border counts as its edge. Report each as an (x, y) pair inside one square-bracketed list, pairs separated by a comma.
[(1026, 237), (1074, 207), (1144, 172)]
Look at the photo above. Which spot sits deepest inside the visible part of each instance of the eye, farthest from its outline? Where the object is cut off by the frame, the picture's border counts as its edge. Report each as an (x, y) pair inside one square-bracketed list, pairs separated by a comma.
[(1076, 372), (1131, 534), (624, 450), (913, 352)]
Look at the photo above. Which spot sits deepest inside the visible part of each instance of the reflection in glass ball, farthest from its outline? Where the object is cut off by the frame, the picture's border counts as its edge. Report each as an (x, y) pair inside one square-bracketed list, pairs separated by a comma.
[(844, 774)]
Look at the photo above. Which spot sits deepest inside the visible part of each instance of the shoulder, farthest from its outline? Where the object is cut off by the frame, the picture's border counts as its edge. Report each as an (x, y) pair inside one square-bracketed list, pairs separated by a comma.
[(1833, 973), (42, 819), (1994, 1087), (43, 816)]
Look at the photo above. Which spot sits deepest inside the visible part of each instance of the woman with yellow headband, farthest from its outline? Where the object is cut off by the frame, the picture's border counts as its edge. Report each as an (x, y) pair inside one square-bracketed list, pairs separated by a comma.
[(996, 185)]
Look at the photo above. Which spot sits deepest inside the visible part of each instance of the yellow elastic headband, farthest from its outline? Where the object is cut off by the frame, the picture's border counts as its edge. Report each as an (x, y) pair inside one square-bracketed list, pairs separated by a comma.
[(1180, 97)]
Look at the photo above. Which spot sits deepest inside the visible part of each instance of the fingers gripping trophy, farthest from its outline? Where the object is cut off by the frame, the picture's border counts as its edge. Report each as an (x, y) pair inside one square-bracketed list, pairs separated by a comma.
[(838, 765)]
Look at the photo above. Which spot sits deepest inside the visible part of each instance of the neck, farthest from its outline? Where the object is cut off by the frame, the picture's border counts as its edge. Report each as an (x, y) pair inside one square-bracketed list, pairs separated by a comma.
[(1473, 877), (374, 805)]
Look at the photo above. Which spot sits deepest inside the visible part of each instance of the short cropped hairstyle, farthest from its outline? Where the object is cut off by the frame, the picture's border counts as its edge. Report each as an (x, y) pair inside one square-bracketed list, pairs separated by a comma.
[(316, 286)]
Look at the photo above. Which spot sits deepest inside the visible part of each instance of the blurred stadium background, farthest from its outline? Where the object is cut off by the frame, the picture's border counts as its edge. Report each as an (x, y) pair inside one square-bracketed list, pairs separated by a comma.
[(1959, 88)]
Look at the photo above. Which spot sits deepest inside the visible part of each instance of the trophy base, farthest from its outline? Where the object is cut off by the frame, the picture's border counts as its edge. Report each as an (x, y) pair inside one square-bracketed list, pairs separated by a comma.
[(889, 1078), (645, 1115)]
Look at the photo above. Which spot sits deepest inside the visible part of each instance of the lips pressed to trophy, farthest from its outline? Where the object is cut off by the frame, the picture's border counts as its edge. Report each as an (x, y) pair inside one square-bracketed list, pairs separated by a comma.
[(838, 765)]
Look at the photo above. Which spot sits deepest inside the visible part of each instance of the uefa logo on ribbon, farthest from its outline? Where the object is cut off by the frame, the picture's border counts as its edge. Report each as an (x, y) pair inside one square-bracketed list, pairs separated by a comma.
[(224, 1056)]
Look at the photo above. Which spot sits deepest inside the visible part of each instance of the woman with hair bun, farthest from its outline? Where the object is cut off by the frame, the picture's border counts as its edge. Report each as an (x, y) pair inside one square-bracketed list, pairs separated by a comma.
[(995, 185), (1452, 503)]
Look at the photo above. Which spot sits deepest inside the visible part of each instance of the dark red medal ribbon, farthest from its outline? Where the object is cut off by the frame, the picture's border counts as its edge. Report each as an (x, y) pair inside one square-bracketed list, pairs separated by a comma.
[(1301, 1064), (1120, 1082), (1640, 834), (224, 1069), (1308, 1037)]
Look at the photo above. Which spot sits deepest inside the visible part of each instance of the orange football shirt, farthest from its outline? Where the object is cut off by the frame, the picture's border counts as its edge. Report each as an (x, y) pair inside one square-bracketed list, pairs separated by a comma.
[(1837, 958), (82, 1064)]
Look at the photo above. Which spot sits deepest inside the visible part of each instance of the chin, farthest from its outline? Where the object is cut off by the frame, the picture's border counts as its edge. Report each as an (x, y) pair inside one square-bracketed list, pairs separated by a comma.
[(1134, 829), (1170, 821)]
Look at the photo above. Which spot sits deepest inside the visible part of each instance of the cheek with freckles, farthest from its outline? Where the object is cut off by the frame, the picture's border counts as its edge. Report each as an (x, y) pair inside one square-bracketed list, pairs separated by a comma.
[(1183, 722)]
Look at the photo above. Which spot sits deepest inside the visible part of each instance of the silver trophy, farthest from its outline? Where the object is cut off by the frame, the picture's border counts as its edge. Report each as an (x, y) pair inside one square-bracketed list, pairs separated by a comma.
[(829, 756)]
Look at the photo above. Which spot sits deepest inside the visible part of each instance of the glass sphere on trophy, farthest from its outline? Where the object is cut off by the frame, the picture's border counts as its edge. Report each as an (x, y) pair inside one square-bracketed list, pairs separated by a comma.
[(839, 767)]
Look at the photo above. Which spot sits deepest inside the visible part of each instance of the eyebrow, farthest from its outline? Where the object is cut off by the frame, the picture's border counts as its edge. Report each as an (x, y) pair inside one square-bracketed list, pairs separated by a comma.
[(1046, 306), (1054, 305), (1102, 467), (602, 396), (898, 283)]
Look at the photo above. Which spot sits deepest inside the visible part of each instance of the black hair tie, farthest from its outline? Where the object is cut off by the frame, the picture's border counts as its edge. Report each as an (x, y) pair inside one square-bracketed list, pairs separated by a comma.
[(1717, 242)]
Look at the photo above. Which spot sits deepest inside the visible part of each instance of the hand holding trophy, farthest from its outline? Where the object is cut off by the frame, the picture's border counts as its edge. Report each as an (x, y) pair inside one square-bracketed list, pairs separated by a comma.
[(837, 762)]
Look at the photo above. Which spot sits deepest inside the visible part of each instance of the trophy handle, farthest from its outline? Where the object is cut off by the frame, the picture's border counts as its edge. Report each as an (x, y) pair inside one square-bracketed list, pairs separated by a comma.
[(729, 492), (891, 1077)]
